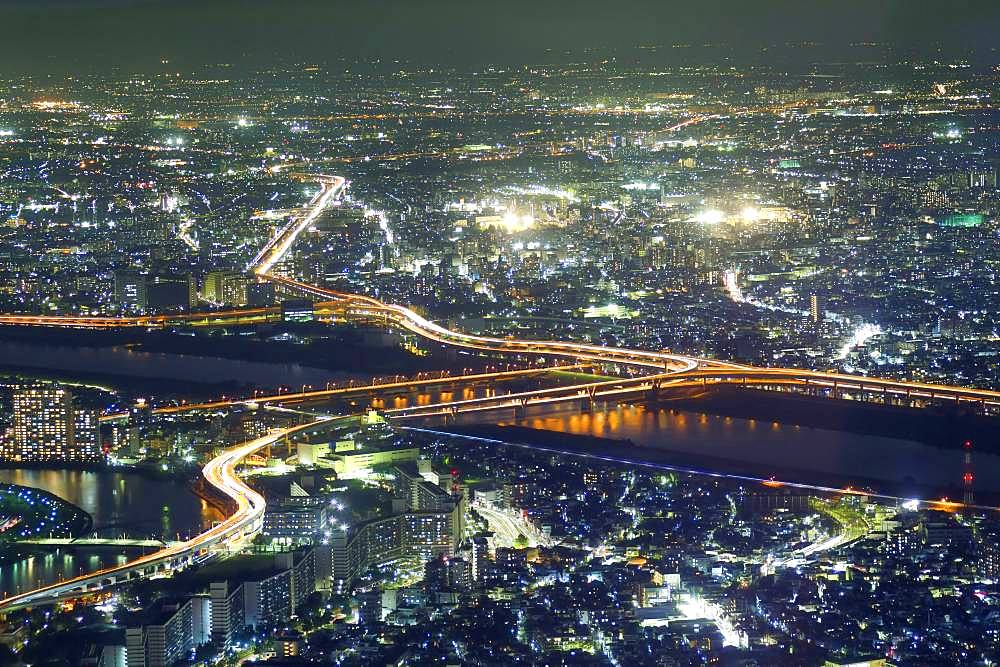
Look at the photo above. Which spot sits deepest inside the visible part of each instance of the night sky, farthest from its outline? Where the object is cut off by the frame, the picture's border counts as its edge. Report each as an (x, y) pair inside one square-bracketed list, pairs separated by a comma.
[(51, 35)]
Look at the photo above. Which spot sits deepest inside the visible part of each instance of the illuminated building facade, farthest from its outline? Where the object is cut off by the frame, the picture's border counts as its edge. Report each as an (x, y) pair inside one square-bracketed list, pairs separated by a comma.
[(424, 535), (427, 523), (49, 426)]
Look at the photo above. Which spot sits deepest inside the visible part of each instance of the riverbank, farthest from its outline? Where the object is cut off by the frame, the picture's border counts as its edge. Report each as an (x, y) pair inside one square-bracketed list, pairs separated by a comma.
[(628, 451), (126, 384), (314, 346), (119, 502), (27, 512), (141, 504)]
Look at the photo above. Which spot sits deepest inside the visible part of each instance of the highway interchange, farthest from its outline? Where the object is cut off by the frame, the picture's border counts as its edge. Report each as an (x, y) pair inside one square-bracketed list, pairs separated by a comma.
[(659, 368)]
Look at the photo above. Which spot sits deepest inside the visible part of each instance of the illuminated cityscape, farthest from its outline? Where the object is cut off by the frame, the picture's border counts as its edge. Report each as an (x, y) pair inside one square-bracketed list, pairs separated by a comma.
[(646, 334)]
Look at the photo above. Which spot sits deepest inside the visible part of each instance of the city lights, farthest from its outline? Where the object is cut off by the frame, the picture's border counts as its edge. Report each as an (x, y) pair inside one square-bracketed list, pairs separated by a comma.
[(642, 343), (710, 216)]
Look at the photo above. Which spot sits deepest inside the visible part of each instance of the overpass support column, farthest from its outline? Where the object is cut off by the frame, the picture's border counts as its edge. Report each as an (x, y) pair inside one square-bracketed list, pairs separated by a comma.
[(654, 390)]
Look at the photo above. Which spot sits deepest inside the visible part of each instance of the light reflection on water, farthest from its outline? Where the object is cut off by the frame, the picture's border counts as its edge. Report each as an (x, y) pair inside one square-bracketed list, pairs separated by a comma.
[(121, 502), (41, 569), (767, 443)]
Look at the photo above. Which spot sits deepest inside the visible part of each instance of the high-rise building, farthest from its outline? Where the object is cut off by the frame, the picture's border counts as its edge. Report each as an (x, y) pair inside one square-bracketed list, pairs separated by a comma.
[(211, 289), (266, 597), (370, 606), (234, 290), (170, 292), (164, 635), (415, 534), (227, 611), (817, 308), (294, 521), (226, 287), (261, 295), (130, 292), (48, 426), (477, 553), (87, 432)]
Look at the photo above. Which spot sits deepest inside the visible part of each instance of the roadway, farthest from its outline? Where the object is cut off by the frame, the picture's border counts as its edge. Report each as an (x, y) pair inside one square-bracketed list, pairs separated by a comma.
[(507, 527), (93, 542), (666, 363), (851, 527), (220, 472), (365, 307), (374, 387), (942, 505), (245, 522), (834, 384)]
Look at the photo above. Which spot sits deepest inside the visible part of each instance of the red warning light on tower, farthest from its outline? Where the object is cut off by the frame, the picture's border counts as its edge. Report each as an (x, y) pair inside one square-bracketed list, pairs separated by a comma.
[(968, 497)]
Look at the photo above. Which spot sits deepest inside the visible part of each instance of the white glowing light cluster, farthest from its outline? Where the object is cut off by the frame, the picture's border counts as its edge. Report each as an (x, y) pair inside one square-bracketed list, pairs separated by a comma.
[(861, 334)]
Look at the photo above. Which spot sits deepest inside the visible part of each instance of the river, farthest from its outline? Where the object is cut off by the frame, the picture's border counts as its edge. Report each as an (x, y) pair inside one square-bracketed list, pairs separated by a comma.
[(775, 447), (145, 507), (127, 362), (119, 502)]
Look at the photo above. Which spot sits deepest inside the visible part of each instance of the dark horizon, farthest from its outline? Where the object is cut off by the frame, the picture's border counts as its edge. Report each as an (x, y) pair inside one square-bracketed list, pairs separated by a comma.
[(54, 36)]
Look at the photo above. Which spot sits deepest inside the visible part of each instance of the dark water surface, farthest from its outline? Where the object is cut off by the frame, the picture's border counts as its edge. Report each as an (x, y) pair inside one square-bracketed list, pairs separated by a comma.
[(159, 365), (772, 444), (119, 502)]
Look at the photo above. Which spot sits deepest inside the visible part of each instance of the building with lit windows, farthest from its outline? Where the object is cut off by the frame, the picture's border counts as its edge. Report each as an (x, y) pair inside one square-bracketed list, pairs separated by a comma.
[(167, 632), (49, 426), (424, 535), (294, 521), (226, 287), (130, 292), (426, 523), (227, 615), (265, 597)]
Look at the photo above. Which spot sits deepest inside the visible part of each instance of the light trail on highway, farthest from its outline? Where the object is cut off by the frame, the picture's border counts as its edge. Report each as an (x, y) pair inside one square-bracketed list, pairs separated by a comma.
[(366, 307), (407, 383), (507, 528), (220, 472), (676, 365)]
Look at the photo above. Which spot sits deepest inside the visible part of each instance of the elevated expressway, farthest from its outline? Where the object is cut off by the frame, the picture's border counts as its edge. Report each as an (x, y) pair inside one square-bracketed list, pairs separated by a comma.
[(832, 385), (243, 524), (214, 318), (660, 370), (355, 389)]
